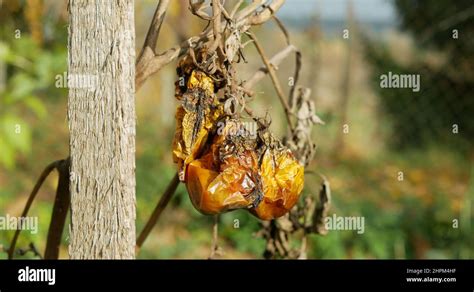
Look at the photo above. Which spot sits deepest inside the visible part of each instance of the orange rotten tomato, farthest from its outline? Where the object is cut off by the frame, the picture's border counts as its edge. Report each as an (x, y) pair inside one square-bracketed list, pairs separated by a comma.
[(226, 177), (229, 176)]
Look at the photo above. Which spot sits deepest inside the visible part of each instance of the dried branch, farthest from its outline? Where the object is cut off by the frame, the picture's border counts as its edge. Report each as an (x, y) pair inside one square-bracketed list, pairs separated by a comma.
[(283, 29), (31, 248), (30, 200), (249, 9), (216, 20), (263, 71), (275, 81), (155, 26), (215, 250), (245, 17), (236, 8), (266, 13), (322, 208), (149, 61), (150, 64), (60, 210), (298, 63), (198, 9), (217, 11)]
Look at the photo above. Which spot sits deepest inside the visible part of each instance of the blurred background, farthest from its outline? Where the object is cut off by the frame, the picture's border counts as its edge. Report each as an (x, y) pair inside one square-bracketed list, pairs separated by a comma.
[(405, 164)]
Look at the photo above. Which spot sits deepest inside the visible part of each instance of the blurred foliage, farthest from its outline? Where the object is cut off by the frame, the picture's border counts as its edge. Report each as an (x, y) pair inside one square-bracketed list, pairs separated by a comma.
[(443, 104), (412, 218), (432, 23), (29, 65), (445, 62)]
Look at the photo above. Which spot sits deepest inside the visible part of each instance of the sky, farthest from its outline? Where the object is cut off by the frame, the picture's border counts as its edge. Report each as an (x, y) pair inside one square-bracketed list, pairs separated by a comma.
[(364, 10)]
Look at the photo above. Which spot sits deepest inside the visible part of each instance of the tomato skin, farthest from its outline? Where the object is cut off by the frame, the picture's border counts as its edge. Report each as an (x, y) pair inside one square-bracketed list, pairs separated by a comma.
[(219, 186), (283, 181), (195, 118)]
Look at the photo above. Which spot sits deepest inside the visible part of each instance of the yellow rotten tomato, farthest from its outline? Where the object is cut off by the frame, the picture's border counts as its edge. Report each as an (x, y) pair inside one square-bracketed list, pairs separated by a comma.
[(282, 180), (195, 118), (225, 177)]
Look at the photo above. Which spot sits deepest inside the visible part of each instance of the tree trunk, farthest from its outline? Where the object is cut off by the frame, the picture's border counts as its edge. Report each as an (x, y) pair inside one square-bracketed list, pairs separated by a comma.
[(101, 114)]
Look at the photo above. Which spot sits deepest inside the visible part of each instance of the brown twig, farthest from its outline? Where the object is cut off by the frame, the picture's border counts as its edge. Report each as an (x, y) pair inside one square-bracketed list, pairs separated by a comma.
[(266, 13), (155, 26), (236, 8), (164, 200), (249, 9), (31, 248), (263, 71), (215, 251), (31, 198), (283, 29), (197, 9), (298, 63), (217, 11), (322, 208), (275, 81), (60, 210), (216, 20), (149, 62)]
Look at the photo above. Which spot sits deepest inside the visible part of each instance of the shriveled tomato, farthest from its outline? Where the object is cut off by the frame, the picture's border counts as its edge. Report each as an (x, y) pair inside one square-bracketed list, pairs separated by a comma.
[(282, 179), (223, 170), (225, 177), (195, 117)]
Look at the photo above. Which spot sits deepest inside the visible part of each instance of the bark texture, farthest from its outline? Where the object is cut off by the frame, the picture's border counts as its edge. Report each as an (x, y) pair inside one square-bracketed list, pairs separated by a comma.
[(101, 116)]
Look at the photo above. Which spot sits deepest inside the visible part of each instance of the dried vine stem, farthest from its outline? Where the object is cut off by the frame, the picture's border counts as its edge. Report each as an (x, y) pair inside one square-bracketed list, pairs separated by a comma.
[(29, 202), (263, 71), (31, 248), (276, 82), (215, 250), (60, 209), (164, 200), (151, 62)]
